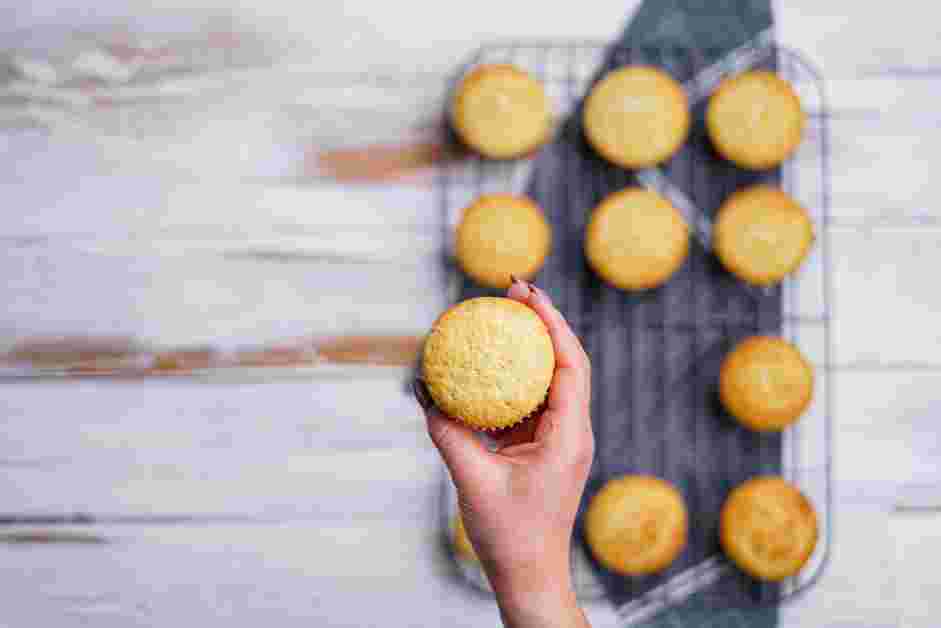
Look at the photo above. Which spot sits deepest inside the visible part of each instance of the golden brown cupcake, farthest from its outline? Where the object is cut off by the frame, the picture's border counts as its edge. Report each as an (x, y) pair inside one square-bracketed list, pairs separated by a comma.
[(501, 112), (755, 119), (488, 362), (765, 383), (636, 525), (500, 235), (762, 235), (636, 116), (460, 541), (768, 528), (636, 239)]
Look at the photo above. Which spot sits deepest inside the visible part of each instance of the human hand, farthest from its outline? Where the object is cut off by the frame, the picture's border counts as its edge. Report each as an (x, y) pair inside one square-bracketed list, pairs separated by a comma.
[(519, 502)]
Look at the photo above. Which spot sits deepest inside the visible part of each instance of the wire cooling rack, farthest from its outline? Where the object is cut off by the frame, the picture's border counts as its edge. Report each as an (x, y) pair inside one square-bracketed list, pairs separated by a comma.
[(704, 455)]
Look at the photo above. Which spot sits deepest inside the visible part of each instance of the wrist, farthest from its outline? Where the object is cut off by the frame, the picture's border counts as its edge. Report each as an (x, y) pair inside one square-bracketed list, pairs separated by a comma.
[(541, 609), (542, 596)]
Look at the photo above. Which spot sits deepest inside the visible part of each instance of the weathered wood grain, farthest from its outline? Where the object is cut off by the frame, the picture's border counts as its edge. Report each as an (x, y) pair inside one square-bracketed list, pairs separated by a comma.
[(332, 449), (234, 297), (328, 449), (351, 456), (886, 305), (917, 541), (345, 574)]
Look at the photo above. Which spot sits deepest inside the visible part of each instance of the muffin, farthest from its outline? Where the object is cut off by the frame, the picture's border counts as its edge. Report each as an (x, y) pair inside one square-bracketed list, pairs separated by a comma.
[(501, 112), (636, 117), (636, 239), (765, 383), (636, 525), (768, 528), (500, 235), (755, 119), (460, 541), (488, 362), (761, 235)]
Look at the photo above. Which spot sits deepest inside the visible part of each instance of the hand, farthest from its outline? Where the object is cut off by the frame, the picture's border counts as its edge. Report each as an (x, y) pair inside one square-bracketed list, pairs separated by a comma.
[(519, 502)]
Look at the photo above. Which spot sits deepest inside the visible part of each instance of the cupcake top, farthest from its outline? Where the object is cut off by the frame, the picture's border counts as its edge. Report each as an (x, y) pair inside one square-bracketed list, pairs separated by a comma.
[(755, 119), (500, 235), (768, 528), (762, 235), (636, 524), (636, 239), (501, 112), (765, 383), (488, 362), (636, 116)]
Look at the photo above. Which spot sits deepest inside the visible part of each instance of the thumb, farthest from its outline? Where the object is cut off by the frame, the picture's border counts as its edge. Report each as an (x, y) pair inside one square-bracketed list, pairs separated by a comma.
[(466, 457)]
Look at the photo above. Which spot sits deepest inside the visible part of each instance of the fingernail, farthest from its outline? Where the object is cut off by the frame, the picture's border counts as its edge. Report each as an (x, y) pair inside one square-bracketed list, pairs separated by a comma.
[(421, 394), (540, 293)]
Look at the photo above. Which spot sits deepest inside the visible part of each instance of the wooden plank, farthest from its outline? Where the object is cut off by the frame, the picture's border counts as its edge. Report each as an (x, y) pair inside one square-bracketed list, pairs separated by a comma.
[(288, 449), (234, 297), (900, 149), (888, 416), (112, 207), (249, 304), (348, 574), (917, 542), (875, 120), (330, 449), (863, 579), (897, 97), (457, 31), (263, 125), (844, 36), (850, 38), (876, 124), (885, 311)]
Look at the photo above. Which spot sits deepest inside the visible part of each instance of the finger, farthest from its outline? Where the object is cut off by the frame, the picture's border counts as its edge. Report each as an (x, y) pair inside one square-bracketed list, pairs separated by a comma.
[(566, 424), (519, 290), (523, 452), (465, 456), (567, 419), (568, 349), (567, 392)]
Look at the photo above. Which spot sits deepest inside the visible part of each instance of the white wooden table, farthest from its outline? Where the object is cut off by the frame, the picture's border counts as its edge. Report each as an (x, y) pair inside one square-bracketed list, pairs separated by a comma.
[(312, 500)]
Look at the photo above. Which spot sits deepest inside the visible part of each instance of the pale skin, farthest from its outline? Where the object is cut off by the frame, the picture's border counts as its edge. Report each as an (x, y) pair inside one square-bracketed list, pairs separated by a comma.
[(519, 501)]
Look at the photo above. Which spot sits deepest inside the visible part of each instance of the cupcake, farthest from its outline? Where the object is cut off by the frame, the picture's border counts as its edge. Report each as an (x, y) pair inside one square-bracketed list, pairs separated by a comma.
[(755, 119), (768, 528), (765, 383), (636, 117), (501, 112), (636, 239), (761, 235), (502, 235), (636, 525), (488, 362)]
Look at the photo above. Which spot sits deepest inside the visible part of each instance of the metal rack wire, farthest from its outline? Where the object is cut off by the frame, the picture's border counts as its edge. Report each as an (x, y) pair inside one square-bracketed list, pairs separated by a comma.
[(699, 314)]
